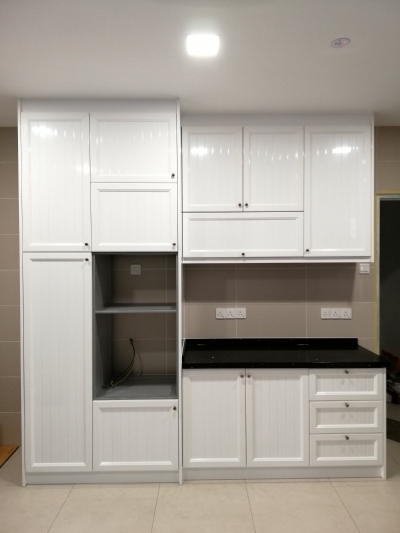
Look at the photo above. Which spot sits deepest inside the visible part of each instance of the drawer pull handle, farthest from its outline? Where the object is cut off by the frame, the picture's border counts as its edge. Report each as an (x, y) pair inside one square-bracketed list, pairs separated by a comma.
[(248, 375), (174, 408), (347, 405), (86, 259), (346, 371), (246, 205), (241, 375), (86, 244), (243, 254), (240, 205), (347, 438), (172, 176)]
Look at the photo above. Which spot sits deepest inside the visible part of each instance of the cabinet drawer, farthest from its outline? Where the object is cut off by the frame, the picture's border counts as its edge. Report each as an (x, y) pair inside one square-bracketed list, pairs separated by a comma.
[(135, 435), (243, 235), (346, 450), (346, 384), (346, 416)]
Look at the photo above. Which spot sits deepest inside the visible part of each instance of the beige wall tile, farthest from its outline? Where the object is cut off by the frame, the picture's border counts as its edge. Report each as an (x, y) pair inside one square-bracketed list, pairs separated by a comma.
[(9, 287), (171, 357), (152, 352), (271, 285), (8, 180), (10, 356), (171, 325), (339, 284), (8, 145), (147, 262), (273, 320), (148, 326), (210, 285), (9, 323), (361, 325), (171, 286), (10, 394), (149, 287), (200, 322), (10, 428), (387, 176), (8, 216), (388, 144), (9, 252), (171, 261), (369, 344), (269, 266)]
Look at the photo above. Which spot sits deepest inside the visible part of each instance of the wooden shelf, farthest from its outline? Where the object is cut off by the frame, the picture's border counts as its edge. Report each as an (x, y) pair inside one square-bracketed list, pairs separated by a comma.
[(142, 388), (137, 308)]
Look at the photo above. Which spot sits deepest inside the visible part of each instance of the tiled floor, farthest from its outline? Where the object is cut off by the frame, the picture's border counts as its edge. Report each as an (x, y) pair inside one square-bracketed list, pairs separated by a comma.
[(231, 507)]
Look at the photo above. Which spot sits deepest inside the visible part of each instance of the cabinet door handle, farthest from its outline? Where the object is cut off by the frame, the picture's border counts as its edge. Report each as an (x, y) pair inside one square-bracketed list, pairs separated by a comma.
[(86, 244), (346, 437), (249, 375), (307, 250), (174, 408), (174, 244), (243, 253), (240, 205), (346, 371), (86, 259), (172, 176), (246, 205), (347, 405), (241, 375)]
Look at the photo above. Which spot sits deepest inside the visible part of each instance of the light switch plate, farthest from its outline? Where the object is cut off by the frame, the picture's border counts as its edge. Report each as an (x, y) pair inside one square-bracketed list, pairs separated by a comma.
[(326, 313), (346, 313), (220, 313), (336, 313), (241, 312), (231, 312)]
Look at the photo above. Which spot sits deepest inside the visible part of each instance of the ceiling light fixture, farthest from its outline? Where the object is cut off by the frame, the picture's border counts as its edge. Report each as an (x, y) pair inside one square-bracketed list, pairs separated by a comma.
[(202, 45), (341, 42)]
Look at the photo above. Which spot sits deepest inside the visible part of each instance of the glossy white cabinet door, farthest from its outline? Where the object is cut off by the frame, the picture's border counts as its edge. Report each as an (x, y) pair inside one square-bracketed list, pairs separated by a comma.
[(55, 182), (338, 192), (58, 362), (241, 235), (134, 217), (273, 168), (126, 147), (135, 435), (277, 417), (212, 169), (214, 418)]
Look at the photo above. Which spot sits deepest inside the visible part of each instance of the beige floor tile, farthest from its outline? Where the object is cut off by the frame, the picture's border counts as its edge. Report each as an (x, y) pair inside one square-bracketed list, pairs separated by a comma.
[(203, 508), (108, 509), (374, 507), (392, 476), (31, 509), (299, 508)]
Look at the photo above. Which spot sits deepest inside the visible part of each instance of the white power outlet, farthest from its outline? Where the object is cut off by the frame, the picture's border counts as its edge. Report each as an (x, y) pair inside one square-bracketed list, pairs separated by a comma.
[(347, 313), (220, 313), (326, 313), (241, 312), (136, 270), (336, 313), (231, 312)]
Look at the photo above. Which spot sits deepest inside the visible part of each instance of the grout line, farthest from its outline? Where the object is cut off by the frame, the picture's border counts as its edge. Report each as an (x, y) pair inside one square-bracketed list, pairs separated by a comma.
[(68, 495), (344, 505), (155, 508), (251, 510)]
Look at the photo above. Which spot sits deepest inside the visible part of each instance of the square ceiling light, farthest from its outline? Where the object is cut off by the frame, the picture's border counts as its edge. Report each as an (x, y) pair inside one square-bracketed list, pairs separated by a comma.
[(202, 45)]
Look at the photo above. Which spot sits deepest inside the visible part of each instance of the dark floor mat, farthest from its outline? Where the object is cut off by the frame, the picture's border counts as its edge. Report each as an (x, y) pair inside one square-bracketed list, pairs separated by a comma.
[(393, 429)]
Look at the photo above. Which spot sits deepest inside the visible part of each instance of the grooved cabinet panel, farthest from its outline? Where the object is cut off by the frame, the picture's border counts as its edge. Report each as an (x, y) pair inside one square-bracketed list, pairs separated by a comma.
[(135, 435), (134, 217), (277, 417), (346, 450), (338, 191), (243, 235), (351, 417), (214, 418), (212, 169), (57, 357), (55, 182), (133, 147), (273, 169), (346, 384)]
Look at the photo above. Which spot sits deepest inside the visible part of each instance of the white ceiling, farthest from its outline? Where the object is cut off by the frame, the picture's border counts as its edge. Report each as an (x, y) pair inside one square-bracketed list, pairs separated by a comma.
[(275, 54)]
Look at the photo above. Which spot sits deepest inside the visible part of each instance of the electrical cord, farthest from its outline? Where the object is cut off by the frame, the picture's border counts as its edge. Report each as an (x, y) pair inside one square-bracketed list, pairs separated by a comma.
[(122, 377)]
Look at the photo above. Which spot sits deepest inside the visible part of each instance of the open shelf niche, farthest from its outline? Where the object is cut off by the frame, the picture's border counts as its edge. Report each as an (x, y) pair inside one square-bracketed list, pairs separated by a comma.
[(141, 307)]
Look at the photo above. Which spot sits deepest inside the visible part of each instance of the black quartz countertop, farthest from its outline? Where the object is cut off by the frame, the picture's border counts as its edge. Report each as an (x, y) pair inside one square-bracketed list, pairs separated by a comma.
[(278, 353)]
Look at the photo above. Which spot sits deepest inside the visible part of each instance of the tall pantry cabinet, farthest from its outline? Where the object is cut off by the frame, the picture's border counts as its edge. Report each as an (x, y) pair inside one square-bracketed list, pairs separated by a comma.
[(97, 179)]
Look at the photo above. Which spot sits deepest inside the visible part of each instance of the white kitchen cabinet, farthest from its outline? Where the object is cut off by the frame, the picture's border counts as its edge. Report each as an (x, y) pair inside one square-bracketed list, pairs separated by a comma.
[(346, 383), (346, 450), (273, 168), (346, 416), (133, 147), (338, 191), (214, 418), (212, 169), (134, 217), (277, 417), (55, 182), (58, 361), (135, 435), (242, 235)]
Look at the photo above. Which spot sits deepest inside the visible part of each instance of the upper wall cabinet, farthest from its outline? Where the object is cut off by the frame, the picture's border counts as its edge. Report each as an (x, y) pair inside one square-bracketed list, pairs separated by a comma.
[(212, 169), (338, 191), (55, 182), (133, 147), (273, 168)]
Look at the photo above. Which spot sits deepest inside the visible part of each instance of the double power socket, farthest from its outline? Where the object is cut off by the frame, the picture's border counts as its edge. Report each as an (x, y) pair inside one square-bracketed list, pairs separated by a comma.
[(222, 313), (336, 313)]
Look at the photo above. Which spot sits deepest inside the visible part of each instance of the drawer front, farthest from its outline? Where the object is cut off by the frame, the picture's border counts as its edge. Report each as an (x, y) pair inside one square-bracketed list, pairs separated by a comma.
[(346, 384), (346, 450), (135, 435), (346, 417)]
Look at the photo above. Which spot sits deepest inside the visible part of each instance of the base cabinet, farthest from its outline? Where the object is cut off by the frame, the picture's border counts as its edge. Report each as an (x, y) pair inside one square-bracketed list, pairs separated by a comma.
[(135, 435), (346, 450)]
